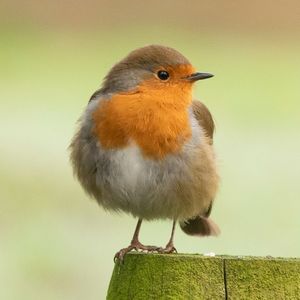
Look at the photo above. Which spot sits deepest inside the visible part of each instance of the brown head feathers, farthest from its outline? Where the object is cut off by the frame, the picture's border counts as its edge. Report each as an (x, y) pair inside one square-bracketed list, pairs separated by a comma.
[(138, 65)]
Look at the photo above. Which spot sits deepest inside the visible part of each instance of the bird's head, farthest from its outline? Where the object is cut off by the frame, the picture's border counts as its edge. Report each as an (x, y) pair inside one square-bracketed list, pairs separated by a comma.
[(153, 69)]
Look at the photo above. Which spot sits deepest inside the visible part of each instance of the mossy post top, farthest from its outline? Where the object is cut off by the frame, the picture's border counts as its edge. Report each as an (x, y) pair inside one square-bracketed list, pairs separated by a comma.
[(187, 276)]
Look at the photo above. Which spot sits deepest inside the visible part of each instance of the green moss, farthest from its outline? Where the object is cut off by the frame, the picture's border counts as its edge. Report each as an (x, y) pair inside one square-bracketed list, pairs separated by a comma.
[(263, 278), (167, 277), (180, 276)]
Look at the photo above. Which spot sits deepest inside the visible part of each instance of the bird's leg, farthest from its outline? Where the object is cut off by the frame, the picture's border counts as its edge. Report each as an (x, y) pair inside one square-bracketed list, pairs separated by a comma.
[(135, 244), (170, 246)]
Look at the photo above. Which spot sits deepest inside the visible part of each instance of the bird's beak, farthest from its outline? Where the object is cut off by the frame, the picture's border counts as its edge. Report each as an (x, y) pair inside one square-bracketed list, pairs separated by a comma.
[(198, 76)]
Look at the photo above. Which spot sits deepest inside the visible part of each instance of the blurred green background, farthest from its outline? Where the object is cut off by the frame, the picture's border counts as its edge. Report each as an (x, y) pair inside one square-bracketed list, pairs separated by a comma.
[(55, 243)]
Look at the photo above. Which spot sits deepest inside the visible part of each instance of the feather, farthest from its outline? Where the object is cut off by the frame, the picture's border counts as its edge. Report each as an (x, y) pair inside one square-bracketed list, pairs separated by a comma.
[(200, 226)]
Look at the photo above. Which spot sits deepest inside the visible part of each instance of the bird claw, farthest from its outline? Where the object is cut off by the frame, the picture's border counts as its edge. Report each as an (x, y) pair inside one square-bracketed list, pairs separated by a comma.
[(137, 246), (168, 249), (119, 256)]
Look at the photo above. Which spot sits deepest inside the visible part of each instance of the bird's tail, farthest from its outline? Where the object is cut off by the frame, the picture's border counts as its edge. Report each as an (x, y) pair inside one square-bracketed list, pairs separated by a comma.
[(199, 226)]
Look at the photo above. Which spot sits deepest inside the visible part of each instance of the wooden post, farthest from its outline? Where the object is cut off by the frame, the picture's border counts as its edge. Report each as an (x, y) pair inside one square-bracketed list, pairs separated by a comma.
[(182, 276)]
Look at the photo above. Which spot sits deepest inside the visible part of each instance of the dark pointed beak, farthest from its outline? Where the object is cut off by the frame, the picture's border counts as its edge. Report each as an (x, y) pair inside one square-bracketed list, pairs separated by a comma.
[(198, 76)]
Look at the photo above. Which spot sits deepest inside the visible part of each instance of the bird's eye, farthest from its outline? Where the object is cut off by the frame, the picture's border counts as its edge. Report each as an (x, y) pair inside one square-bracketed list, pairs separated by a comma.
[(163, 75)]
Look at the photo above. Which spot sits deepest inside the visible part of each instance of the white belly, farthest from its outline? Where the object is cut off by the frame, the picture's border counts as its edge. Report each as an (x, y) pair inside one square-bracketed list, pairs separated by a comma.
[(131, 168), (150, 188)]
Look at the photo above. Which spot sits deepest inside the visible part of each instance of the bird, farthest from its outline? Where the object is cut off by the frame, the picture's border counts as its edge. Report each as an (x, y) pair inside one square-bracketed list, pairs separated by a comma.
[(144, 145)]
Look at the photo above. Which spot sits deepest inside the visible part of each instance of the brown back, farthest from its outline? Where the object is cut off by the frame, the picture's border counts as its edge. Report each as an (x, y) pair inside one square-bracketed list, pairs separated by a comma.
[(204, 118)]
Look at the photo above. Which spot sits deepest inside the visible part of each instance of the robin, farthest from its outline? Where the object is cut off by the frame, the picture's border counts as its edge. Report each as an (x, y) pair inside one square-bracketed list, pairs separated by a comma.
[(144, 146)]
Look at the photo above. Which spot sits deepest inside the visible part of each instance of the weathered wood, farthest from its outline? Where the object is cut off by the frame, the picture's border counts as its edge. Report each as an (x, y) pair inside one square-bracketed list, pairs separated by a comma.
[(181, 276)]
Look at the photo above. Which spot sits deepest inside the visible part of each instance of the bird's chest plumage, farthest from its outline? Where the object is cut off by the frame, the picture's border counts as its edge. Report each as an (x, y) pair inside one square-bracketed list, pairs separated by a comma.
[(158, 124)]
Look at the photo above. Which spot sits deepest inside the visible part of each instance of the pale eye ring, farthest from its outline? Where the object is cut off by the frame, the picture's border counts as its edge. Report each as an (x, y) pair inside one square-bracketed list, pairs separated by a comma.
[(163, 75)]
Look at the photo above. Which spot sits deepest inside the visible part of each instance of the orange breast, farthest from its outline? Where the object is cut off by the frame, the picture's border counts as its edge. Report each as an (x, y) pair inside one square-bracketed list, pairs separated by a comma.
[(155, 119)]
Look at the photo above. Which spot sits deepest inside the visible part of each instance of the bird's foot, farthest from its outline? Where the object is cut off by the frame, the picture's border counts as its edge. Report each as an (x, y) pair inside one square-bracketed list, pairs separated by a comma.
[(137, 246), (168, 249)]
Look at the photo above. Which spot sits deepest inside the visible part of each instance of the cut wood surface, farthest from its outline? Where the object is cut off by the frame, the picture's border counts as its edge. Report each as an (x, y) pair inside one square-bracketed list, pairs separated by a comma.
[(185, 276)]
